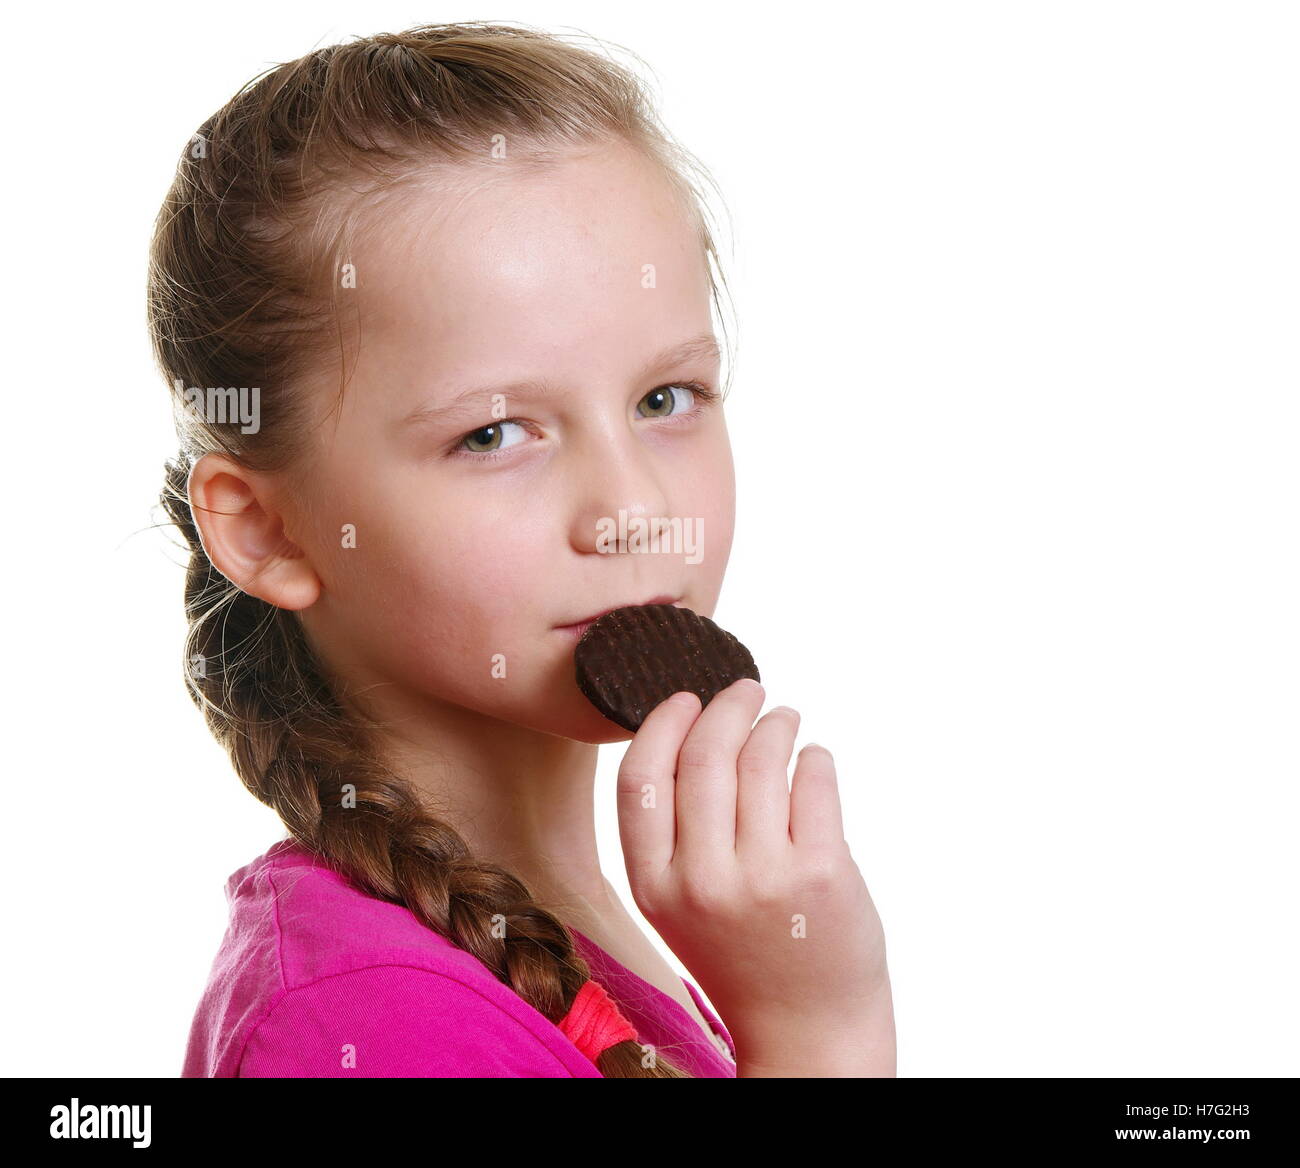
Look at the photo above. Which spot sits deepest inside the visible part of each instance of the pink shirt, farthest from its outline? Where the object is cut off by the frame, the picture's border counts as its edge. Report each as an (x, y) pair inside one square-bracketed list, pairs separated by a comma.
[(316, 979)]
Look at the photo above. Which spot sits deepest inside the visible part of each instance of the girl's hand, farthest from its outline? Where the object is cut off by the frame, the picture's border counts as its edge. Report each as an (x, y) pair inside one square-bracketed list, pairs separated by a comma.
[(750, 882)]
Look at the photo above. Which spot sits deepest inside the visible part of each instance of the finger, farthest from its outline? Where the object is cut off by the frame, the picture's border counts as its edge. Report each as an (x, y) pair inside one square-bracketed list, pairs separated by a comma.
[(646, 806), (815, 818), (706, 772), (763, 784)]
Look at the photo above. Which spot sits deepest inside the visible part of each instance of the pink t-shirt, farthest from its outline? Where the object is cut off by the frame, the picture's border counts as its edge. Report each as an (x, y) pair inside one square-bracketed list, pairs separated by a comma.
[(316, 979)]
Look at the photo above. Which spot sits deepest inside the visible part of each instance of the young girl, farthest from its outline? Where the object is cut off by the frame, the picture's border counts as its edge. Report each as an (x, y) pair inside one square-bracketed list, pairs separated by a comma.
[(436, 310)]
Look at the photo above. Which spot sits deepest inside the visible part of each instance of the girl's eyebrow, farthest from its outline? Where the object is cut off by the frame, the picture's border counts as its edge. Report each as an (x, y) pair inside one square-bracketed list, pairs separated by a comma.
[(468, 401)]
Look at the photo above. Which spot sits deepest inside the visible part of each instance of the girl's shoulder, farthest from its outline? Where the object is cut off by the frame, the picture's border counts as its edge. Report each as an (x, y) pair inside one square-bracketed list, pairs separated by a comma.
[(322, 925), (316, 978)]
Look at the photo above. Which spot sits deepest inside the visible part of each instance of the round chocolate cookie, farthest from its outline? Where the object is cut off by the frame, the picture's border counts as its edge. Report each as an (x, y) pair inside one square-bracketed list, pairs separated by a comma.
[(633, 658)]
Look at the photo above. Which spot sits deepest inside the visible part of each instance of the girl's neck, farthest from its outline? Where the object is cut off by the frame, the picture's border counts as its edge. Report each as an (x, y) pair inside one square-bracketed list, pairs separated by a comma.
[(519, 798)]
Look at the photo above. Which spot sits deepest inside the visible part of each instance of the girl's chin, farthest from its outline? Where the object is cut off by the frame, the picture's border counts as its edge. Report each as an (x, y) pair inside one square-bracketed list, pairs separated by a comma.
[(598, 731), (619, 735), (575, 719)]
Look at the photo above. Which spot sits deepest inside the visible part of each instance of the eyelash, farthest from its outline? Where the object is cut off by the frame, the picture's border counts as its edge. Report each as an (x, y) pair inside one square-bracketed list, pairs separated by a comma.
[(704, 398)]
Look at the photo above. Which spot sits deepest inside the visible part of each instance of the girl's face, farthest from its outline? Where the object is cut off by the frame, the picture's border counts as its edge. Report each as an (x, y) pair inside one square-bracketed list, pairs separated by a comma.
[(519, 416)]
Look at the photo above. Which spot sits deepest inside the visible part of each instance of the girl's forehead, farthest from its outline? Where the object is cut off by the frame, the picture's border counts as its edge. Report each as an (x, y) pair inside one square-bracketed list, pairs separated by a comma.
[(489, 220), (496, 260)]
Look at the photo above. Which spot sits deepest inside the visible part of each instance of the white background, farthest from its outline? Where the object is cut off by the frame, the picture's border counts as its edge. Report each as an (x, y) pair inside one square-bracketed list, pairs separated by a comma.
[(1015, 416)]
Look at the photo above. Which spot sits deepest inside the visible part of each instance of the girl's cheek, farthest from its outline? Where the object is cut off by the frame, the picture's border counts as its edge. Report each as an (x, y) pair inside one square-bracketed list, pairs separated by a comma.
[(713, 484), (471, 572)]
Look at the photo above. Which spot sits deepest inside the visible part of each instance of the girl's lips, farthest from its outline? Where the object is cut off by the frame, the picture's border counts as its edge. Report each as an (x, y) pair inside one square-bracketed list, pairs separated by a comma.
[(576, 630), (573, 631)]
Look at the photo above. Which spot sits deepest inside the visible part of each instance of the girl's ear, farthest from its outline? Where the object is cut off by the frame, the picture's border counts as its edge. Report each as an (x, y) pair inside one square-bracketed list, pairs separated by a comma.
[(244, 536)]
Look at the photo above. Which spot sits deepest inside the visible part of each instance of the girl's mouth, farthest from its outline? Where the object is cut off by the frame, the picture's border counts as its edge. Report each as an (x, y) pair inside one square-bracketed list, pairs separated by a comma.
[(577, 628)]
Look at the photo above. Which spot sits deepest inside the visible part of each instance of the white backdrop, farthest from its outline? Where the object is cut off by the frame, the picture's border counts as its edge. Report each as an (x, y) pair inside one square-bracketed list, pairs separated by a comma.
[(1015, 418)]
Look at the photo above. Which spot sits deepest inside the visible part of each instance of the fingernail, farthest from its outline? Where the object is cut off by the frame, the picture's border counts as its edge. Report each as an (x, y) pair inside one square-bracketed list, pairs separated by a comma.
[(685, 698)]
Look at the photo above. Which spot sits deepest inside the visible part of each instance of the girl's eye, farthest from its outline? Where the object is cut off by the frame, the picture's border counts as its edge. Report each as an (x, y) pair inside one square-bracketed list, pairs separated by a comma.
[(659, 403), (668, 400), (493, 437)]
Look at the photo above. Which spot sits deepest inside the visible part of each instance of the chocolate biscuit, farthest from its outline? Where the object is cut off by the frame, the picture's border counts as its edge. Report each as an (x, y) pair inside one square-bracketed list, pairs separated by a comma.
[(631, 659)]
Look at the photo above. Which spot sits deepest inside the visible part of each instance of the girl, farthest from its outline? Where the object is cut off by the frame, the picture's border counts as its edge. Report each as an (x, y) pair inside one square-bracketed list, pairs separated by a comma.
[(435, 308)]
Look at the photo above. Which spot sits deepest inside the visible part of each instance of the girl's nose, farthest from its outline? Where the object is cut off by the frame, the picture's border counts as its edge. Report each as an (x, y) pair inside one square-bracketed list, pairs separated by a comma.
[(612, 486)]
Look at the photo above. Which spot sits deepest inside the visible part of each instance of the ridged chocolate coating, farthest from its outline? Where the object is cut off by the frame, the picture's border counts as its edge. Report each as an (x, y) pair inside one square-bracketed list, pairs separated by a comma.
[(631, 659)]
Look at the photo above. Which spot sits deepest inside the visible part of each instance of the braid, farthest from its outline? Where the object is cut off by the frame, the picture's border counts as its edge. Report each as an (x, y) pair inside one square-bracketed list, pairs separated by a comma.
[(252, 673)]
